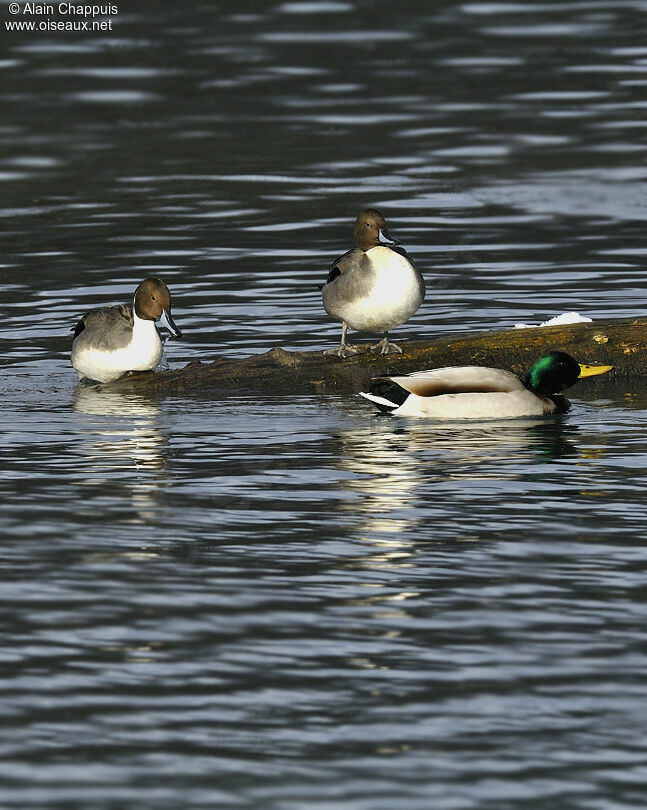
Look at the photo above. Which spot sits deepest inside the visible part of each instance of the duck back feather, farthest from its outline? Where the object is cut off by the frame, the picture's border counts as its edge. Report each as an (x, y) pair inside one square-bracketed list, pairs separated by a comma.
[(459, 380)]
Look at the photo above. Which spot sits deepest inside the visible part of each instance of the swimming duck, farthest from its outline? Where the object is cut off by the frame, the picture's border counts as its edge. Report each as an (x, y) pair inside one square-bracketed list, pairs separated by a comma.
[(111, 341), (373, 287), (475, 392)]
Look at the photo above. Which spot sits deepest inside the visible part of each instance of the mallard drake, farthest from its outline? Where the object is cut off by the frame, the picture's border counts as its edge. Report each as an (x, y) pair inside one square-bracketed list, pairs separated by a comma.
[(475, 392), (374, 287), (109, 342)]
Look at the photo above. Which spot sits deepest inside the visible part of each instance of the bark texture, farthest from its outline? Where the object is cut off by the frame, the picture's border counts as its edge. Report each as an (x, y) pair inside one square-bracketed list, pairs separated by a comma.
[(620, 343)]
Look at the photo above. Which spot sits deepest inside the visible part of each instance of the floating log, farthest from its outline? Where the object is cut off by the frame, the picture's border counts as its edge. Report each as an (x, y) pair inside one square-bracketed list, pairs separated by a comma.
[(621, 343)]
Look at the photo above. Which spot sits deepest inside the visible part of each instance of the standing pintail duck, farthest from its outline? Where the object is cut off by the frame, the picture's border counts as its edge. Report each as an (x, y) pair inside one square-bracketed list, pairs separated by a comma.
[(111, 341), (475, 392), (373, 287)]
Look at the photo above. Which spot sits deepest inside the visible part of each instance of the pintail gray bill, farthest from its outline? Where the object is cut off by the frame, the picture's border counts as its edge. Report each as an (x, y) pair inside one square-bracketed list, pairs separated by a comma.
[(109, 342), (374, 287)]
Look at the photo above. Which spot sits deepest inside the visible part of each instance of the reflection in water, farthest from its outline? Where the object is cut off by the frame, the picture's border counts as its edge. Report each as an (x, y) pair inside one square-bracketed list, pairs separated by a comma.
[(383, 462), (391, 457), (391, 461), (399, 463), (386, 478), (125, 437)]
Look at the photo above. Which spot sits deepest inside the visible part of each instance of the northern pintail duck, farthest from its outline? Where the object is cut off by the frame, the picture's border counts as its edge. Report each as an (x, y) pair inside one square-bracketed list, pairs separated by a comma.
[(374, 287), (474, 392), (111, 341)]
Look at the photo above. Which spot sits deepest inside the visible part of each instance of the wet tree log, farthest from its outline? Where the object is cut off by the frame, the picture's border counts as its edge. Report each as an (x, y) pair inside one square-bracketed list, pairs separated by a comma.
[(620, 343)]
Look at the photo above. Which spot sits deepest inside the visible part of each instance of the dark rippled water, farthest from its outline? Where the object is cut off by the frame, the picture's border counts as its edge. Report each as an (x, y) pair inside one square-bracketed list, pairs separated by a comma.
[(292, 602)]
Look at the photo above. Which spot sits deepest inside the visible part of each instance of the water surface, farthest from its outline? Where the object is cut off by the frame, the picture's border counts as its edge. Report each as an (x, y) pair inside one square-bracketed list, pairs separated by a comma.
[(291, 601)]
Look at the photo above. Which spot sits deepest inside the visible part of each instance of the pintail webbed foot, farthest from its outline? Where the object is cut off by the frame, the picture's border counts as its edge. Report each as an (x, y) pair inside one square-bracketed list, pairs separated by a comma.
[(386, 347)]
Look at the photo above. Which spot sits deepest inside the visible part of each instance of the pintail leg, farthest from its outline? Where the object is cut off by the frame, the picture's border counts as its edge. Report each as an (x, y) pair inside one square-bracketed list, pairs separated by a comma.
[(386, 347), (344, 349)]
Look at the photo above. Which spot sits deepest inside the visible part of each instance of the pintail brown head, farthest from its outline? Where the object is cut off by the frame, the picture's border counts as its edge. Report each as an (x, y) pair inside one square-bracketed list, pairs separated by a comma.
[(371, 230), (153, 303)]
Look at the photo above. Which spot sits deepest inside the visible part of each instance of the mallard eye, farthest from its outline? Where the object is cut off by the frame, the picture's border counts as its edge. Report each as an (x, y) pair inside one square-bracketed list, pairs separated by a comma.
[(153, 297)]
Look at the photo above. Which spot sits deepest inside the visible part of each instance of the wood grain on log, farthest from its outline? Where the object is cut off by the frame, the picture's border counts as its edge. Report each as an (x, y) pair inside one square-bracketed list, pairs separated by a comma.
[(620, 343)]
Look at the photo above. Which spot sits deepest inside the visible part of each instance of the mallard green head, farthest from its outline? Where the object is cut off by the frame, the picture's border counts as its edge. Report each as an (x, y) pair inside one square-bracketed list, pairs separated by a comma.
[(556, 371)]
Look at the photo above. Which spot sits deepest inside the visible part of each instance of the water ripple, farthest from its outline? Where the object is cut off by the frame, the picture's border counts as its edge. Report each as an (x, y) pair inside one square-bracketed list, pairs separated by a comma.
[(292, 601)]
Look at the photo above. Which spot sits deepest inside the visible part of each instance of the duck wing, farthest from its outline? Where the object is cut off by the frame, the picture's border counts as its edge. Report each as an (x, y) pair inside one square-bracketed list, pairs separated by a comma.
[(111, 327), (351, 259), (457, 380)]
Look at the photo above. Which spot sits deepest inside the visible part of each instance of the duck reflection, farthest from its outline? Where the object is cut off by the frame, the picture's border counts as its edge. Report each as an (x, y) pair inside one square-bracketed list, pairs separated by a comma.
[(392, 460), (125, 437), (391, 463), (399, 467)]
